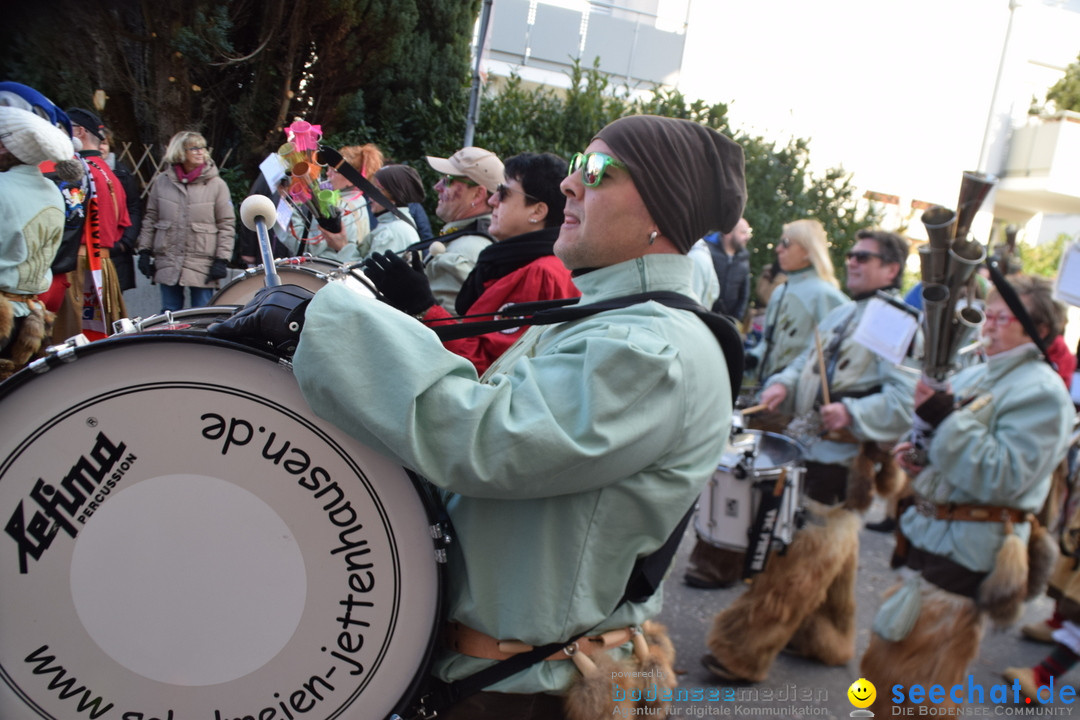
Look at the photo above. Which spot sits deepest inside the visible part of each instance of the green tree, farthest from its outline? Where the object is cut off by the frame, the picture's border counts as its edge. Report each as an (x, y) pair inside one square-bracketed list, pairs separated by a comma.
[(1043, 259), (1065, 93), (780, 186), (391, 71)]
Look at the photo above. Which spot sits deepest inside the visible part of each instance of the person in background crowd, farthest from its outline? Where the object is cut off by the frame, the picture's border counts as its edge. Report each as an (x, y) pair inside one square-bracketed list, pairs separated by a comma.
[(123, 252), (402, 186), (706, 286), (595, 435), (805, 598), (312, 236), (1000, 428), (810, 293), (31, 226), (188, 230), (88, 309), (518, 267), (732, 262), (469, 177)]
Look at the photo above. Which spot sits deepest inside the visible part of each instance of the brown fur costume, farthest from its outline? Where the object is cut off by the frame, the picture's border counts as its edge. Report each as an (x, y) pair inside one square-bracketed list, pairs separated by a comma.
[(805, 598), (872, 470), (937, 651), (35, 333), (643, 675)]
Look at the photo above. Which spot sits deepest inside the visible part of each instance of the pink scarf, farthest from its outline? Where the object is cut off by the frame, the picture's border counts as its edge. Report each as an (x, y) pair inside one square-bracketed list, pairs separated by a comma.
[(186, 177)]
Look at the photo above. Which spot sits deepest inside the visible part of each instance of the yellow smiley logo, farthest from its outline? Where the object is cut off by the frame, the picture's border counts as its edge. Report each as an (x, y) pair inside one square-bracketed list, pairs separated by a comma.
[(862, 693)]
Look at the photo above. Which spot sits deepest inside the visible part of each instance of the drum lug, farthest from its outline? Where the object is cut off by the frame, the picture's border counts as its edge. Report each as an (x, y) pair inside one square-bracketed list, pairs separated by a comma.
[(123, 326), (442, 541)]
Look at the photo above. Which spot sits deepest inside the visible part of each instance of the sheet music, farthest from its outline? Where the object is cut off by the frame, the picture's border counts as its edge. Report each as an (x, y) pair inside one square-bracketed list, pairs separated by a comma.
[(886, 330), (1067, 285)]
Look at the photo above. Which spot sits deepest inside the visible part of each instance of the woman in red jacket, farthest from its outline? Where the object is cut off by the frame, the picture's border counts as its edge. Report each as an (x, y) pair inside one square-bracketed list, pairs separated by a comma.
[(518, 267)]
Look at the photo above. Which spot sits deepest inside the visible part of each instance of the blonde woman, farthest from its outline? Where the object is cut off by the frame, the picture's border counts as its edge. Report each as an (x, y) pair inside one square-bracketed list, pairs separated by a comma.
[(187, 232), (797, 306)]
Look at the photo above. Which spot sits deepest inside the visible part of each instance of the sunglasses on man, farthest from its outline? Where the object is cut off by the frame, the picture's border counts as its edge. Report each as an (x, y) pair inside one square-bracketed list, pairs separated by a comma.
[(593, 166), (863, 256)]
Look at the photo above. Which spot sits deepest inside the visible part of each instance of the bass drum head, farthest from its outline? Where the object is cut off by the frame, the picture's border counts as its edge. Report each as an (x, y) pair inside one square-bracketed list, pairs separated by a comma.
[(184, 539), (310, 273)]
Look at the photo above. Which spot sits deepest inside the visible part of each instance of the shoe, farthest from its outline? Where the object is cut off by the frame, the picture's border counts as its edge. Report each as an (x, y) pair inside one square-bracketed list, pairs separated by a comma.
[(701, 582), (1041, 632), (1026, 676), (887, 525), (716, 668)]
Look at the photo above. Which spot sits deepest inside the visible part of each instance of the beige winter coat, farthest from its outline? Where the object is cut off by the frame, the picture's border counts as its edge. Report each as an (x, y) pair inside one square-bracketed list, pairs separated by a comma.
[(187, 226)]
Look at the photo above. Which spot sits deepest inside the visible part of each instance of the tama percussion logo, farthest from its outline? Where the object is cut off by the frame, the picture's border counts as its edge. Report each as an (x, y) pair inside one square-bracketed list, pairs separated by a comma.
[(77, 496)]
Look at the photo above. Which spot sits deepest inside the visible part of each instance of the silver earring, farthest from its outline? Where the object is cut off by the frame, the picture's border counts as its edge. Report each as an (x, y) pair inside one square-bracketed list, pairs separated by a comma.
[(652, 236), (533, 220)]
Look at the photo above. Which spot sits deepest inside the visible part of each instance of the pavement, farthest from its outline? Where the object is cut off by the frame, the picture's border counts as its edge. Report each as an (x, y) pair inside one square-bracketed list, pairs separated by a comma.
[(797, 688)]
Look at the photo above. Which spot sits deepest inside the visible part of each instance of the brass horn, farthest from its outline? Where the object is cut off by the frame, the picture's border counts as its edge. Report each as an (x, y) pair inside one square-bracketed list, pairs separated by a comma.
[(936, 326), (940, 223), (973, 191)]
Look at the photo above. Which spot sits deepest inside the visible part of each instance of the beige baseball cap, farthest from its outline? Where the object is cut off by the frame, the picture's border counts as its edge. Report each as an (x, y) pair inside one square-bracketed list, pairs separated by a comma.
[(481, 166)]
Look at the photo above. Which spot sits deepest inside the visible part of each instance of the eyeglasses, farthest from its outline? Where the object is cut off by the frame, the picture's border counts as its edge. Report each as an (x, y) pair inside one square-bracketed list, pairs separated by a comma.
[(785, 242), (448, 180), (196, 149), (863, 256), (1000, 318), (504, 191), (593, 166)]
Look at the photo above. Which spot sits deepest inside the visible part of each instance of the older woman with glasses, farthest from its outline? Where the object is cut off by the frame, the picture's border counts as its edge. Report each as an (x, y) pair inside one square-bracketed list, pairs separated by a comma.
[(187, 232), (802, 302), (1000, 428), (527, 212)]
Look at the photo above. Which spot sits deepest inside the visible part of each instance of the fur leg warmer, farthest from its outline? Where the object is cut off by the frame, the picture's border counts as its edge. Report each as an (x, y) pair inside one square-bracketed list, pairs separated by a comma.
[(641, 679), (747, 635), (939, 649)]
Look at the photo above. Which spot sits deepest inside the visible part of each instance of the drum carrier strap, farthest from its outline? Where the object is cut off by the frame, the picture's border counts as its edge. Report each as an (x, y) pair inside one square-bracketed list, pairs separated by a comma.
[(648, 571)]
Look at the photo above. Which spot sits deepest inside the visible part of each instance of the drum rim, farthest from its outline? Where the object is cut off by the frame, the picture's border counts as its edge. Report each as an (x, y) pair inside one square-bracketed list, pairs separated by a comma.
[(429, 500)]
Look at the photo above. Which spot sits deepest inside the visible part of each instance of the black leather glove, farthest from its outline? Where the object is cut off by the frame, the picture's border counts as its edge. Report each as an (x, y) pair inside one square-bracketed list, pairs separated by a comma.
[(330, 224), (936, 408), (218, 269), (273, 318), (146, 263), (400, 284)]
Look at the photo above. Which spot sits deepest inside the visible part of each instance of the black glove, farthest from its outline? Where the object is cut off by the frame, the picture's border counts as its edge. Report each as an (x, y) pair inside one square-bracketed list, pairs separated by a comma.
[(936, 408), (273, 318), (218, 269), (330, 224), (146, 263), (401, 285)]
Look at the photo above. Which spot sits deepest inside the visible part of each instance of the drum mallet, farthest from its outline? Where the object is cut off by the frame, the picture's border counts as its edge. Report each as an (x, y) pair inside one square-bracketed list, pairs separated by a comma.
[(255, 212)]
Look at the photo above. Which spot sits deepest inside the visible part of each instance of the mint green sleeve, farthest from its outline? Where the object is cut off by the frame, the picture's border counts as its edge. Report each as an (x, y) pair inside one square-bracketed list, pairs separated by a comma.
[(557, 423), (1000, 454)]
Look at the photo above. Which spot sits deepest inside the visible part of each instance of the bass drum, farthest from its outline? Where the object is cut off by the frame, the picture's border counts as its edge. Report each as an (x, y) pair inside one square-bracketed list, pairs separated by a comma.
[(185, 539), (307, 272)]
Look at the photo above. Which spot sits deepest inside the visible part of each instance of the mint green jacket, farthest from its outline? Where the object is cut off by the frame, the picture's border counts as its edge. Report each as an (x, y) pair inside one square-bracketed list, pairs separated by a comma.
[(883, 416), (579, 451), (795, 309), (999, 450)]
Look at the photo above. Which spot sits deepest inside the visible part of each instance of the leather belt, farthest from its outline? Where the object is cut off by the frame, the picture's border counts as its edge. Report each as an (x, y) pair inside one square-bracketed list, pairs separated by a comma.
[(463, 639), (973, 513)]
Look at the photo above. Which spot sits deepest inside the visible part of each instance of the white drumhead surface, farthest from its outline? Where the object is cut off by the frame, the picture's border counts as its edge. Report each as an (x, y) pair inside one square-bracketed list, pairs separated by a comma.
[(184, 540)]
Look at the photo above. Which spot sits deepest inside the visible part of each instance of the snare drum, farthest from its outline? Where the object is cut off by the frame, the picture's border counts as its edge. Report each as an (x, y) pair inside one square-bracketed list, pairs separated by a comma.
[(185, 539), (307, 272), (750, 467)]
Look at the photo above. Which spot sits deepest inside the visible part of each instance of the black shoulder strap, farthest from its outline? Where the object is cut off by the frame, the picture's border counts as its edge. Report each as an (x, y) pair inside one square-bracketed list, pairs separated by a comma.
[(1012, 299), (557, 311), (423, 245)]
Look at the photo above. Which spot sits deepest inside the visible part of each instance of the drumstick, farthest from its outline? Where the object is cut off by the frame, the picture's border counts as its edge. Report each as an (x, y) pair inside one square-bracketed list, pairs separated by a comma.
[(821, 369), (755, 409), (778, 488), (254, 212)]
